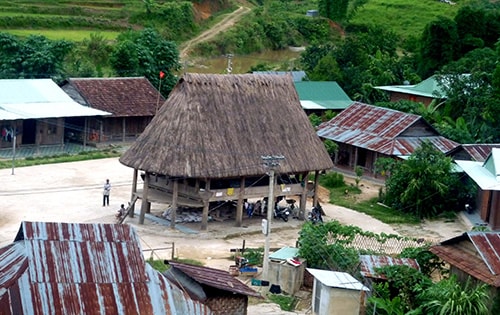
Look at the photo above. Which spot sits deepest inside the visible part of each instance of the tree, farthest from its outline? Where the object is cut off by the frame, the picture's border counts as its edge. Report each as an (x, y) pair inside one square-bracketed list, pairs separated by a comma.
[(147, 54), (35, 57), (424, 184), (438, 46)]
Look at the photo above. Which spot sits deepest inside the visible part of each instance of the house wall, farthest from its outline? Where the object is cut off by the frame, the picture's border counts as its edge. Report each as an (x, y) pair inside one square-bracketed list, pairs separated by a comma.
[(7, 129), (335, 301), (419, 129), (235, 304), (290, 278), (396, 96), (489, 207), (117, 128), (50, 131), (350, 157)]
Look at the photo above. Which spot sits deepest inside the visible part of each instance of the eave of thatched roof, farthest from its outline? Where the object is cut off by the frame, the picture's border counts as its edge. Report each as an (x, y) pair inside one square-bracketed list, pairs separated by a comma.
[(215, 126)]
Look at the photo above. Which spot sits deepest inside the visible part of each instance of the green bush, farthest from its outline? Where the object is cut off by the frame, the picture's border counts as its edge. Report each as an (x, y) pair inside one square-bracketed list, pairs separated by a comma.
[(332, 180), (286, 302)]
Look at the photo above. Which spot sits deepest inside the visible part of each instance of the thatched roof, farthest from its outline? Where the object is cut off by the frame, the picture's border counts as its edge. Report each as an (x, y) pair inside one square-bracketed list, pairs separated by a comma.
[(216, 126)]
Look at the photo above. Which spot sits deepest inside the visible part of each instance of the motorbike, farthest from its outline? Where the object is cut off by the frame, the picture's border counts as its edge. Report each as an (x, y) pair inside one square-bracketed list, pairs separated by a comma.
[(314, 215), (281, 212)]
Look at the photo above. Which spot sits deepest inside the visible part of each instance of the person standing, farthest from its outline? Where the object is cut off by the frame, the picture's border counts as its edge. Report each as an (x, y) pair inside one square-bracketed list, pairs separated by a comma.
[(105, 193)]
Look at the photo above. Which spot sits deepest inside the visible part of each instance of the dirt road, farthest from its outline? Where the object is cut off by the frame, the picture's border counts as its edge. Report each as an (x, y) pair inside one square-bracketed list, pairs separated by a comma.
[(223, 25)]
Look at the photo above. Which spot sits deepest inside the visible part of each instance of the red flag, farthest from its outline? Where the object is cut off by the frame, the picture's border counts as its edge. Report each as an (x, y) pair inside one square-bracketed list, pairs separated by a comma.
[(162, 74)]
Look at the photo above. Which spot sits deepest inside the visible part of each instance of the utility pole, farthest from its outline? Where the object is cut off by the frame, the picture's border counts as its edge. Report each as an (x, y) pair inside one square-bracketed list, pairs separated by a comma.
[(271, 162), (229, 68)]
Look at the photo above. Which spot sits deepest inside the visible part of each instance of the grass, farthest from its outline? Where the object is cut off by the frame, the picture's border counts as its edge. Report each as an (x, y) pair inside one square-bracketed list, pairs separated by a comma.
[(286, 302), (348, 196), (405, 17), (69, 35), (61, 158)]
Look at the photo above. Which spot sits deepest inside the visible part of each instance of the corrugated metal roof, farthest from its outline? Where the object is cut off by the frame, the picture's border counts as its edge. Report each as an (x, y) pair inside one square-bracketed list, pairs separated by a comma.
[(337, 279), (66, 268), (371, 262), (479, 152), (284, 253), (39, 98), (297, 76), (484, 264), (122, 97), (215, 278), (382, 130), (428, 88), (485, 174), (326, 94)]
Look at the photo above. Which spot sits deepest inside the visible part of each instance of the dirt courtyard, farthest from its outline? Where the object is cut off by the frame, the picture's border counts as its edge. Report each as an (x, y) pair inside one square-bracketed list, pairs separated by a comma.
[(72, 192)]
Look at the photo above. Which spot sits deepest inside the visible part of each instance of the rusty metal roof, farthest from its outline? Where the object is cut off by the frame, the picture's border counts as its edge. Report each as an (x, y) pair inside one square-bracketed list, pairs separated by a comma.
[(479, 152), (369, 264), (484, 264), (215, 278), (383, 130), (70, 268)]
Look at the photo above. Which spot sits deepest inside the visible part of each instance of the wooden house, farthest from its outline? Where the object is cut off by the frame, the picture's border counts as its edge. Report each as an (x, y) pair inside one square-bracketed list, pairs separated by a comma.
[(35, 112), (217, 137), (424, 92), (221, 292), (132, 103), (486, 175), (473, 255), (365, 133), (71, 268)]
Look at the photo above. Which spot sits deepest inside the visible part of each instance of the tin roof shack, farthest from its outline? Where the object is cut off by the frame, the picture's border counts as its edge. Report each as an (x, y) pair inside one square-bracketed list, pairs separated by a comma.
[(486, 175), (478, 152), (36, 112), (223, 293), (287, 276), (210, 141), (336, 293), (132, 103), (370, 263), (70, 268), (365, 133), (473, 255)]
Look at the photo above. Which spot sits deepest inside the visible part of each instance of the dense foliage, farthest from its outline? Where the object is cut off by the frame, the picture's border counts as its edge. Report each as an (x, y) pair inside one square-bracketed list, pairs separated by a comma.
[(424, 185)]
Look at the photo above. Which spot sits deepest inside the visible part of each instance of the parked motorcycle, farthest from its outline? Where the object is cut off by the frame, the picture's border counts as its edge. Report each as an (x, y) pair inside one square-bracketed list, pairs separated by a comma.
[(281, 212), (314, 215)]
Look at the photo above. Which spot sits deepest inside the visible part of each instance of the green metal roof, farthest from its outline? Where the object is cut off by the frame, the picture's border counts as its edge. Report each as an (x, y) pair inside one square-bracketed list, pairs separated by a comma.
[(430, 87), (284, 253), (322, 95)]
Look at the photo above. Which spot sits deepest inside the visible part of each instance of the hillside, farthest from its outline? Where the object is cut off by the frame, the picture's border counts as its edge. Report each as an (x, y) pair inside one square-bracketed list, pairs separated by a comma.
[(75, 20)]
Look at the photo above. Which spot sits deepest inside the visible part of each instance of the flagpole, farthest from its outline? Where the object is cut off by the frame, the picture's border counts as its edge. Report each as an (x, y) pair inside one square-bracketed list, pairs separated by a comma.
[(162, 74)]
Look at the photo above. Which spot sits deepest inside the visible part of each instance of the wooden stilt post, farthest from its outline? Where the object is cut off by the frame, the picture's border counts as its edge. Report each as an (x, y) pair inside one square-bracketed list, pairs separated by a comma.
[(239, 209), (316, 184), (173, 213), (206, 205), (134, 192), (144, 204)]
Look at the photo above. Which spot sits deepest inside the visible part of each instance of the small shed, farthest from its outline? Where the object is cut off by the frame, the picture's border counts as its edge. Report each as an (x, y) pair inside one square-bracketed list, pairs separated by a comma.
[(219, 290), (287, 276), (336, 293)]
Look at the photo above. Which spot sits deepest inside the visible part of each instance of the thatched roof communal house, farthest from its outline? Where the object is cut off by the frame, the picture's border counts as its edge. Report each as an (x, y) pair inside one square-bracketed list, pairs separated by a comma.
[(208, 140)]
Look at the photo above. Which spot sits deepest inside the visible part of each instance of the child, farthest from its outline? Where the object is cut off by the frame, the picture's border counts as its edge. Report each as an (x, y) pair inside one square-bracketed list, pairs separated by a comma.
[(121, 211)]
